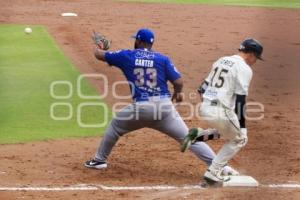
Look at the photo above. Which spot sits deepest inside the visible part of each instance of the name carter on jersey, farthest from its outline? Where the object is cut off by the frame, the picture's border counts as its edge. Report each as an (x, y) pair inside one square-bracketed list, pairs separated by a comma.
[(144, 63)]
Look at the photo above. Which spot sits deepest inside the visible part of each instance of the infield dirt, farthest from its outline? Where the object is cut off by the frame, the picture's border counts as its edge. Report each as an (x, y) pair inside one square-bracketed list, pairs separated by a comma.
[(193, 36)]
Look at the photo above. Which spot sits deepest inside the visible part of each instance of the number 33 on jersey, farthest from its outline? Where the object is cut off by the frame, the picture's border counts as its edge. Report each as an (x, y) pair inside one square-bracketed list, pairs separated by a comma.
[(146, 71)]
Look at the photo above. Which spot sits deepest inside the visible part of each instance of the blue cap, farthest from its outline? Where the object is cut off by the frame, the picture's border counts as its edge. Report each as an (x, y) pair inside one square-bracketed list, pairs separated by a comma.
[(145, 35)]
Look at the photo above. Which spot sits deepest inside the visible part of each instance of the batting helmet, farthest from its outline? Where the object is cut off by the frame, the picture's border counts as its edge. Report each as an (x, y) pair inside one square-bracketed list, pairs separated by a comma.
[(252, 46)]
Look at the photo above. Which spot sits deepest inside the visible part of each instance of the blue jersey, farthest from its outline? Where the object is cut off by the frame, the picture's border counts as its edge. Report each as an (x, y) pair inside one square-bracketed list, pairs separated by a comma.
[(146, 71)]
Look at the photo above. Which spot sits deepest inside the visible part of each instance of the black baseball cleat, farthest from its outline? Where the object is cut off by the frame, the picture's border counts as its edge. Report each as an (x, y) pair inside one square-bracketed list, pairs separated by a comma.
[(94, 164), (200, 135), (190, 138)]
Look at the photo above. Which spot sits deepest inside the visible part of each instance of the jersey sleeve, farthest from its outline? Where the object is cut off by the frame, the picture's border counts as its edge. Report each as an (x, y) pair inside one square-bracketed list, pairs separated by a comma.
[(115, 58), (171, 72), (243, 79)]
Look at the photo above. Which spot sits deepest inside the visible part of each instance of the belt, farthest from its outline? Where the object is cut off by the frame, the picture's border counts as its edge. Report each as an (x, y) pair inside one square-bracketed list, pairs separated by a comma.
[(153, 99), (214, 103), (211, 102)]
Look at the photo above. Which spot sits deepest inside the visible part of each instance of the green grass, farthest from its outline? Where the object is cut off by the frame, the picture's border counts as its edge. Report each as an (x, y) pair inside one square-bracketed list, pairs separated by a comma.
[(28, 66), (261, 3)]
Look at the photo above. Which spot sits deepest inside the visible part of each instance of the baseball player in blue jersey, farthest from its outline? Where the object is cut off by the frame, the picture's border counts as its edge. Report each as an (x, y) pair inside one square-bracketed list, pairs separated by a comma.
[(147, 72)]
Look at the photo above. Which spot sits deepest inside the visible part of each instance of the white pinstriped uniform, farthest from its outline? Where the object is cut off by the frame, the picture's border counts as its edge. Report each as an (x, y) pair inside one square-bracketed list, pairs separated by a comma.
[(229, 76)]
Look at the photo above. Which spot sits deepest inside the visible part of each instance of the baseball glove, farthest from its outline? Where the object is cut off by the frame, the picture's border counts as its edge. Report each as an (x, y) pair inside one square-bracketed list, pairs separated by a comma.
[(101, 41)]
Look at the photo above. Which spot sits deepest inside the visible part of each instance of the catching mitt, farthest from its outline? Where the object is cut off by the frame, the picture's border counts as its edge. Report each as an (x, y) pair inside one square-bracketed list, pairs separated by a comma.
[(101, 41)]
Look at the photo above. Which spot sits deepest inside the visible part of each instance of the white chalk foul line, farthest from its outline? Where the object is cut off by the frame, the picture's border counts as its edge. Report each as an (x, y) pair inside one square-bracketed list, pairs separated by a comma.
[(156, 187), (50, 188), (187, 187), (87, 187), (284, 186), (84, 187)]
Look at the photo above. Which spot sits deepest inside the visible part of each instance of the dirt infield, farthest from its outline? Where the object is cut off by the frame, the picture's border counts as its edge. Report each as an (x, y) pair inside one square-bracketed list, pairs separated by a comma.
[(193, 36)]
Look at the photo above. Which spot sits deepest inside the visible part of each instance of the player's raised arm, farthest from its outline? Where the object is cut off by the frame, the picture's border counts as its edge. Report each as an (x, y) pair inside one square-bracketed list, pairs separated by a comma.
[(102, 44), (99, 54)]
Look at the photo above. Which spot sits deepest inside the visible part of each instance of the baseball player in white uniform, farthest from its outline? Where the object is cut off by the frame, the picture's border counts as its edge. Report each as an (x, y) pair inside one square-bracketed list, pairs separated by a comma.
[(224, 94)]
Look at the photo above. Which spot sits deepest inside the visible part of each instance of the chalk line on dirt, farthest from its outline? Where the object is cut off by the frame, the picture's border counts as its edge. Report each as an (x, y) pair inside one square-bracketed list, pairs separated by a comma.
[(290, 186), (93, 187)]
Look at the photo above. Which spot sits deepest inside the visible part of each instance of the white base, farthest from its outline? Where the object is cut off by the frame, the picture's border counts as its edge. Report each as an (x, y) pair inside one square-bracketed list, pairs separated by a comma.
[(241, 181), (69, 14)]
